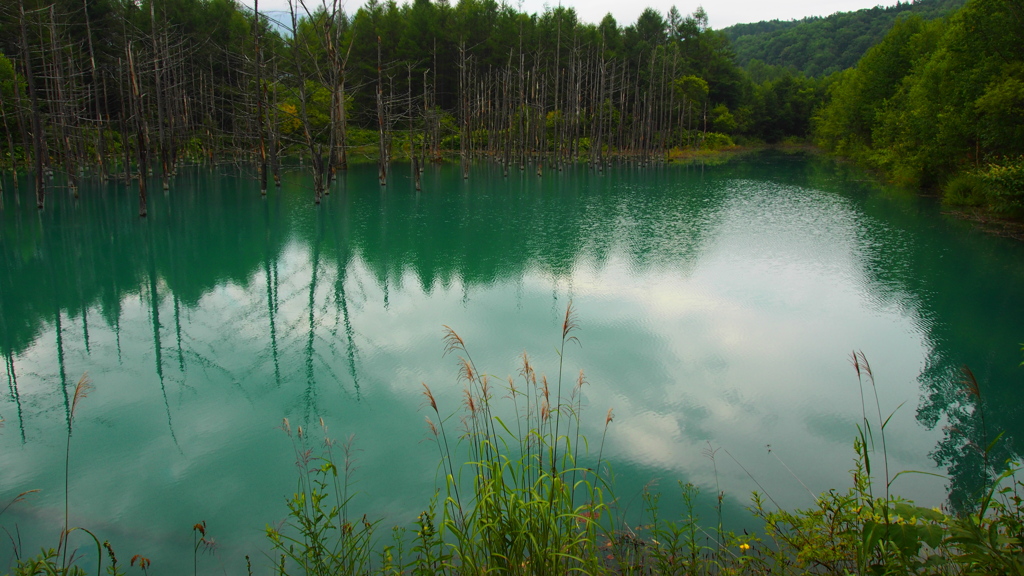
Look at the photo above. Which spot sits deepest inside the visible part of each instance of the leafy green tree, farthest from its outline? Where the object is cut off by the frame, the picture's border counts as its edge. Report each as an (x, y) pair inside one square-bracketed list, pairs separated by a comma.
[(935, 100), (783, 106), (822, 46), (858, 95)]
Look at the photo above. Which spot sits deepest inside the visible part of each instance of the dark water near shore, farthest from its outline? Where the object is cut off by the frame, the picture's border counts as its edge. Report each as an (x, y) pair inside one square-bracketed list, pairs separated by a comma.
[(717, 305)]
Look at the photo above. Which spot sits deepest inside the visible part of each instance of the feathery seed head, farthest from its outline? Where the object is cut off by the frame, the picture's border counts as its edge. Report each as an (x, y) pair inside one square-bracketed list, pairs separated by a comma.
[(865, 367), (466, 369), (430, 396), (527, 368), (569, 323), (969, 382), (452, 341), (82, 390)]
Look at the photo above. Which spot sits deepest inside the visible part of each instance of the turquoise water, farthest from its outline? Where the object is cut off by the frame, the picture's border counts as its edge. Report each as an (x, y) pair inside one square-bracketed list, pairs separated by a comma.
[(718, 307)]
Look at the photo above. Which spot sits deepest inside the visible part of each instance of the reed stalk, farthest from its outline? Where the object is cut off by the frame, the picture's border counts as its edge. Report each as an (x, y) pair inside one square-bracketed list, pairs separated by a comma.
[(82, 389)]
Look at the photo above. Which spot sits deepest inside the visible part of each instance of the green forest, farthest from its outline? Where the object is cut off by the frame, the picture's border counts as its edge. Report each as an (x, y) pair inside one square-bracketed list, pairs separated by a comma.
[(102, 88), (939, 105), (819, 46)]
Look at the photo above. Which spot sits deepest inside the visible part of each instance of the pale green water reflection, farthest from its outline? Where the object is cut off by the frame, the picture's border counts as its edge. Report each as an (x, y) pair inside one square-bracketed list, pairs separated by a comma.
[(717, 305)]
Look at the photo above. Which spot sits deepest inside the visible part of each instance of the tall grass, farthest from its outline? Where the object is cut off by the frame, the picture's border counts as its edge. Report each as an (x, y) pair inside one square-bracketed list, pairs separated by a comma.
[(868, 531), (521, 493), (515, 498), (82, 390), (320, 537), (61, 559), (518, 499)]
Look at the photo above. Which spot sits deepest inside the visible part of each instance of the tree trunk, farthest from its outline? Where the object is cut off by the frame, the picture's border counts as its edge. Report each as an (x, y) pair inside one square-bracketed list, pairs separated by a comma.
[(141, 130), (37, 124), (261, 149)]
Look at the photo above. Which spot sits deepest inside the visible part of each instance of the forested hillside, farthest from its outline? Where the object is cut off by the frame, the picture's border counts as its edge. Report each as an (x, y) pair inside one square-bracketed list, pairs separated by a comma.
[(940, 105), (820, 46)]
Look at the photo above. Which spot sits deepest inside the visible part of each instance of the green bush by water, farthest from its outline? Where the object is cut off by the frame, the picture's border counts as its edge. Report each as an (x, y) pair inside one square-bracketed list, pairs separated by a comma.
[(998, 186), (965, 190)]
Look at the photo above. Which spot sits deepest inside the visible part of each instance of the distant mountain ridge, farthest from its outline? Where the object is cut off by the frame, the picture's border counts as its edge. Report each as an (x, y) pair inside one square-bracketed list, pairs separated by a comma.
[(819, 46)]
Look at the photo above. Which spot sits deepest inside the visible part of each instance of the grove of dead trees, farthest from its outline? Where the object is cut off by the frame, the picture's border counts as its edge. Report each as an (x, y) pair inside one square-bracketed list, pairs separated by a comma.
[(124, 90)]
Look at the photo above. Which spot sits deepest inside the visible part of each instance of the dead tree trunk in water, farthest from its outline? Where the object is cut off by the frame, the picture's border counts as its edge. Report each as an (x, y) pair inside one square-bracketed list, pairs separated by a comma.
[(10, 150), (100, 142), (382, 162), (342, 124), (413, 159), (37, 124), (596, 147), (160, 102), (61, 86), (125, 113), (275, 160), (464, 134), (339, 65), (141, 131), (315, 152), (261, 150)]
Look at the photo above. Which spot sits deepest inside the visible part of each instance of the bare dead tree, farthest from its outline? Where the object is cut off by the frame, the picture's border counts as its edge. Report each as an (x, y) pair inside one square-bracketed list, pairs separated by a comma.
[(36, 114), (413, 158), (160, 97), (464, 134), (382, 149), (275, 160), (96, 96), (314, 148), (261, 150), (339, 66), (141, 129), (10, 148)]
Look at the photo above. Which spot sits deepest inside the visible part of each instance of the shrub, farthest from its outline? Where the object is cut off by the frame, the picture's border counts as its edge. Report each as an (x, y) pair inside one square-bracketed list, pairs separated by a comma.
[(716, 141), (1004, 181), (966, 189)]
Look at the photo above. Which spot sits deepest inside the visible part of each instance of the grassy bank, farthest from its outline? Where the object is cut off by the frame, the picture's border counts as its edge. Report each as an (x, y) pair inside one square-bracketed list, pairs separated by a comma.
[(522, 491)]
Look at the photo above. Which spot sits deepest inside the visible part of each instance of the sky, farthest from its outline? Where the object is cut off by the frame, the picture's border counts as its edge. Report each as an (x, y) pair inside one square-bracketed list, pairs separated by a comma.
[(721, 13)]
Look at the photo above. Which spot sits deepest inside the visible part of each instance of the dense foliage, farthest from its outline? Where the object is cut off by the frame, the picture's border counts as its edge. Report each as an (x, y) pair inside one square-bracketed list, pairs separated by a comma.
[(940, 104), (820, 46)]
